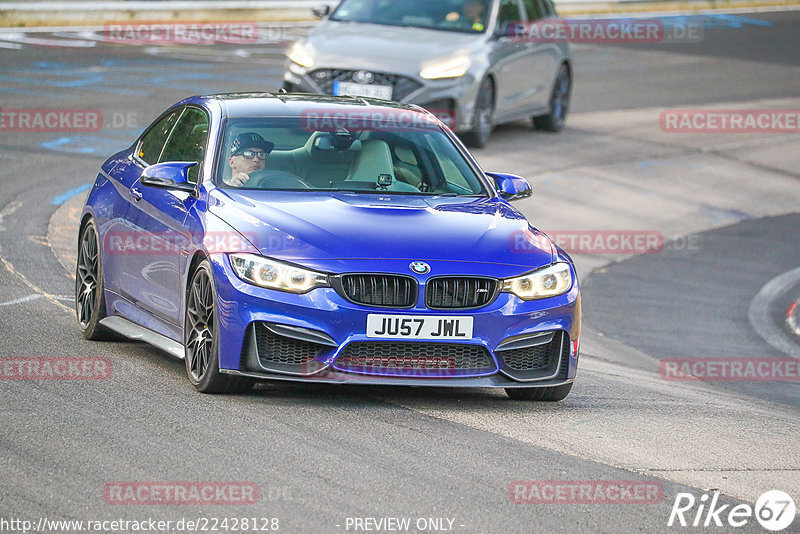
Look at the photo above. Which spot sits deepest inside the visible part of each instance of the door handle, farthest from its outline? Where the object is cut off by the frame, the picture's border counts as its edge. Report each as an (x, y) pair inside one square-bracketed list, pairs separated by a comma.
[(136, 193)]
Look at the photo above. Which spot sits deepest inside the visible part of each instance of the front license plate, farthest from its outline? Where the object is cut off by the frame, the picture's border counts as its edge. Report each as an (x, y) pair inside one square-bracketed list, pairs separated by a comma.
[(419, 326), (360, 89)]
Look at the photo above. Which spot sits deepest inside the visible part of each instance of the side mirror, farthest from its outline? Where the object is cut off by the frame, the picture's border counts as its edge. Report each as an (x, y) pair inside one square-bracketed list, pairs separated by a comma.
[(506, 29), (320, 12), (511, 186), (171, 175)]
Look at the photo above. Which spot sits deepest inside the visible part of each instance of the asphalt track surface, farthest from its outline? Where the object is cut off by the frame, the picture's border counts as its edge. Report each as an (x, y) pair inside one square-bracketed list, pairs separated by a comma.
[(321, 455)]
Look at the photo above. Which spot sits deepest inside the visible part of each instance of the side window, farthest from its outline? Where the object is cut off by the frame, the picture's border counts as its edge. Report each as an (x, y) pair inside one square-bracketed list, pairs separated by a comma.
[(153, 141), (188, 140), (509, 13), (534, 9)]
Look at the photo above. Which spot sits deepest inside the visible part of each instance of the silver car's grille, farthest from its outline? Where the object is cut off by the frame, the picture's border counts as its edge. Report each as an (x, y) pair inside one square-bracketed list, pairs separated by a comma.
[(402, 86)]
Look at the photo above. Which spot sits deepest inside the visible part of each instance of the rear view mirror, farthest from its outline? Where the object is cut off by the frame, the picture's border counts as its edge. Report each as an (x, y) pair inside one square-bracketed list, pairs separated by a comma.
[(511, 186)]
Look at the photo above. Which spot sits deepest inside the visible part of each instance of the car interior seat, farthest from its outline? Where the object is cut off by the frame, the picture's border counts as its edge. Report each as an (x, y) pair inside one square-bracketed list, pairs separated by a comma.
[(406, 167), (375, 159)]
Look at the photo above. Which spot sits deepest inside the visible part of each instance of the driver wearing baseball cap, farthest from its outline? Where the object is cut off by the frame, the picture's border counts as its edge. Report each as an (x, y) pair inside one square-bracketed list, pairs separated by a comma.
[(248, 154)]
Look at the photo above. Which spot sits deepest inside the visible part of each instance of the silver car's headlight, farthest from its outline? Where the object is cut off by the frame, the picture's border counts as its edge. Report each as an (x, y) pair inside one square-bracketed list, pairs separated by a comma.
[(451, 68), (299, 55), (550, 281), (272, 274)]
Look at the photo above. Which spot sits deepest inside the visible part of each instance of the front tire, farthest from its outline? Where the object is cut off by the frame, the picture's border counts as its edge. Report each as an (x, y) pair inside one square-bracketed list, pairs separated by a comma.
[(559, 103), (484, 117), (201, 337), (90, 302), (551, 394)]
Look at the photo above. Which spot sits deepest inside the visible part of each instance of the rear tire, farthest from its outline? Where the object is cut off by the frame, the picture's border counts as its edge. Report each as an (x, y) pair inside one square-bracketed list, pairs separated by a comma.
[(90, 301), (559, 103), (484, 117), (551, 394), (201, 337)]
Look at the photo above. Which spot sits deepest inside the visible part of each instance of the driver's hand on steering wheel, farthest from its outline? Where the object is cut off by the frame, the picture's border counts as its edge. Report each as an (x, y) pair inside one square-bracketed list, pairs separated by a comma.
[(239, 179)]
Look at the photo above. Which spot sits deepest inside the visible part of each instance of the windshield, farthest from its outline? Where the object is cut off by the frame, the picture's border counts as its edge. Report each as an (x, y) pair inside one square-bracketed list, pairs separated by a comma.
[(406, 153), (468, 16)]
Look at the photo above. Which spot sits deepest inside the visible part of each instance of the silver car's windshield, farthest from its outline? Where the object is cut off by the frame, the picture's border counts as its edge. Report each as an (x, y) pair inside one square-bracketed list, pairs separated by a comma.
[(468, 16), (402, 153)]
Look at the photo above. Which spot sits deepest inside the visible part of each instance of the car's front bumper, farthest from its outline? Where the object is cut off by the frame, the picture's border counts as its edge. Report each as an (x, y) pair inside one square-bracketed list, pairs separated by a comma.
[(451, 99), (325, 317)]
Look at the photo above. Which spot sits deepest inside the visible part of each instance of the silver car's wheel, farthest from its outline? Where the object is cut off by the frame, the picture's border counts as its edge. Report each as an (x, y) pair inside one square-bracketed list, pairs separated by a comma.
[(559, 103), (484, 116)]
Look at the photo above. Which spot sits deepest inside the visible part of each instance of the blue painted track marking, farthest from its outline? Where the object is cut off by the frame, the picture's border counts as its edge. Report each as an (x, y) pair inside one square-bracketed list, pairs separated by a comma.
[(63, 197)]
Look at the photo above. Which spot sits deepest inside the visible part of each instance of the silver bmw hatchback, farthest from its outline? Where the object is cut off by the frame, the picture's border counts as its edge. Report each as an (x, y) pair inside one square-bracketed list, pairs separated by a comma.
[(463, 60)]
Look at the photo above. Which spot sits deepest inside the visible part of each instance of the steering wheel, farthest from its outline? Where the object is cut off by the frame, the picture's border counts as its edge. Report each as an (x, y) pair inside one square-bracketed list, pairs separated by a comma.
[(269, 179)]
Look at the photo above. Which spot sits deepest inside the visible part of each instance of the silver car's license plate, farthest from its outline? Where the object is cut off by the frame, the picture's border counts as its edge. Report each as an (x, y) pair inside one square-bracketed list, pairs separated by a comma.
[(360, 89), (419, 326)]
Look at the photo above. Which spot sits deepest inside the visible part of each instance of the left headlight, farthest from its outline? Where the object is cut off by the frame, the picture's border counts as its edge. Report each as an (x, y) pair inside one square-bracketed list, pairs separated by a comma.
[(264, 272), (451, 68), (550, 281), (299, 55)]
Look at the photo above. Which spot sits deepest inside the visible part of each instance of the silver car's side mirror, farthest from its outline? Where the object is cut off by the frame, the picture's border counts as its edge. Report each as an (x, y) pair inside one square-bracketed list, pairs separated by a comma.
[(320, 12)]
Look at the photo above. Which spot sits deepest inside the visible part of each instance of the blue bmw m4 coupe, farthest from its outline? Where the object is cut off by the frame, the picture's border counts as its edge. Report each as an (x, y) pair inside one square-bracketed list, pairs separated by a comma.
[(324, 239)]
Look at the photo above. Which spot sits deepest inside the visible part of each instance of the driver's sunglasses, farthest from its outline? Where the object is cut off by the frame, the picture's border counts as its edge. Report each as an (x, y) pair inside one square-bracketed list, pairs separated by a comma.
[(250, 154)]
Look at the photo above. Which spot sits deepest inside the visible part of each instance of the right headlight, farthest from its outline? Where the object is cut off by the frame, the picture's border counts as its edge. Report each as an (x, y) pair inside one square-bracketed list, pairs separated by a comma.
[(450, 68), (299, 55), (265, 272), (549, 281)]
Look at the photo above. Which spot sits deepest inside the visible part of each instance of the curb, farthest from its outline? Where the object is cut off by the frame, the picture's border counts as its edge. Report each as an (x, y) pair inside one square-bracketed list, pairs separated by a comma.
[(62, 232)]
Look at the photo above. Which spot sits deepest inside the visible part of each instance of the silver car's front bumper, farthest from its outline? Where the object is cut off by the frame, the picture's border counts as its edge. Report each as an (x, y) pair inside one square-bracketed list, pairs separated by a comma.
[(452, 100)]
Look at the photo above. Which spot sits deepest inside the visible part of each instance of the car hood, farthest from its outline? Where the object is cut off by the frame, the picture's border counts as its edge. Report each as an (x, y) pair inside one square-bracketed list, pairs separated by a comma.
[(315, 229), (396, 49)]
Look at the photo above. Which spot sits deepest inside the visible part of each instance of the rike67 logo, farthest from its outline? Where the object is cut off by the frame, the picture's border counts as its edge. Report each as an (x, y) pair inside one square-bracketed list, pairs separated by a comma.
[(774, 510)]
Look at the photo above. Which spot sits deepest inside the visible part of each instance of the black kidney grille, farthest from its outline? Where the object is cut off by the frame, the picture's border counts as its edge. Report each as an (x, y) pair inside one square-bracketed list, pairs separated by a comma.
[(415, 359), (383, 290), (279, 349), (453, 292)]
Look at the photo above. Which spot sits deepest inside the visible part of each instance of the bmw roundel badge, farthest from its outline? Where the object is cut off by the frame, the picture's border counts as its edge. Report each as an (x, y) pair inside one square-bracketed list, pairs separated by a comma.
[(420, 267)]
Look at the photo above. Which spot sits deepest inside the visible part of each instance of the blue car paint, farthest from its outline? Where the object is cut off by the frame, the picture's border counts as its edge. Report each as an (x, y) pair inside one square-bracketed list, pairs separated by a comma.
[(332, 232)]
